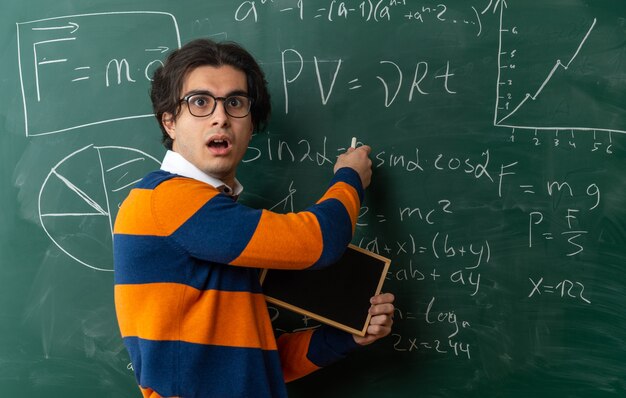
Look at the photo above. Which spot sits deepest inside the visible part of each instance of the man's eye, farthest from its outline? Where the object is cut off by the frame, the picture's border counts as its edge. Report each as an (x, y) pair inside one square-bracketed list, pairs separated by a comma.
[(200, 102), (235, 102)]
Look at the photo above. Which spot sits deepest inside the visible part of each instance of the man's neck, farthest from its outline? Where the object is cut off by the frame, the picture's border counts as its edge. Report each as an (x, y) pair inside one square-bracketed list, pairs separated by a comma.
[(175, 163)]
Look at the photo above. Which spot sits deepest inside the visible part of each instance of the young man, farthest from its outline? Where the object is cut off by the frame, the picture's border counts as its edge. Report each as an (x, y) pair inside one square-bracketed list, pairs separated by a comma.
[(187, 254)]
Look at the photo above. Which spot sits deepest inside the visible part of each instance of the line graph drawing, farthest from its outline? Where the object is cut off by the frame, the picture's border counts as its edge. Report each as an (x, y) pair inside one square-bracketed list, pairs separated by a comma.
[(79, 198), (544, 85), (557, 66)]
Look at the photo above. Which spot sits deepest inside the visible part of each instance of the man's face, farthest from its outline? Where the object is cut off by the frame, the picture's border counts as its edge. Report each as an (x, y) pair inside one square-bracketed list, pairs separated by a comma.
[(216, 143)]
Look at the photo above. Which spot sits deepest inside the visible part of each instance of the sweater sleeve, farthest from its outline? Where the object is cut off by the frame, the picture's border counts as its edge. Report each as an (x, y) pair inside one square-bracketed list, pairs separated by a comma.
[(302, 353), (213, 227)]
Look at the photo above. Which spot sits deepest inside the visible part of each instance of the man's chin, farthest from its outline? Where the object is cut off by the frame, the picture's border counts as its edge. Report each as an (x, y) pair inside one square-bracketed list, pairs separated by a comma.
[(218, 173)]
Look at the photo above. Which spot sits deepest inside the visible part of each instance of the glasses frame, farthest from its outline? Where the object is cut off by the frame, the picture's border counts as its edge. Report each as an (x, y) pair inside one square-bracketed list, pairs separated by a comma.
[(217, 99)]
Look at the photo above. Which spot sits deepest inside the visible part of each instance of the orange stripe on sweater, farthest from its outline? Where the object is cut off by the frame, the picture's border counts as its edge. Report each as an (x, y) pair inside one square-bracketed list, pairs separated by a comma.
[(135, 215), (171, 311), (283, 241), (174, 201), (292, 348), (150, 393)]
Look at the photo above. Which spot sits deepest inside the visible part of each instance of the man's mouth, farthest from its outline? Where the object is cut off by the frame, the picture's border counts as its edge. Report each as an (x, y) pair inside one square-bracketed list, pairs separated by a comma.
[(219, 146)]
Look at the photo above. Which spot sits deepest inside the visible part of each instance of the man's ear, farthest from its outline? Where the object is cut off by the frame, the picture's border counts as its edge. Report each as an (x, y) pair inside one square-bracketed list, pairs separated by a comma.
[(169, 124)]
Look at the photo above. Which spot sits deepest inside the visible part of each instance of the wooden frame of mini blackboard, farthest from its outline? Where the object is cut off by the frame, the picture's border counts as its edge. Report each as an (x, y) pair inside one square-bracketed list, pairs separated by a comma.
[(337, 295)]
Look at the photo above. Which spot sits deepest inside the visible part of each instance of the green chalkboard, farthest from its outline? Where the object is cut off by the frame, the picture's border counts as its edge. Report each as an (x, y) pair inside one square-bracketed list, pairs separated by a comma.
[(498, 134)]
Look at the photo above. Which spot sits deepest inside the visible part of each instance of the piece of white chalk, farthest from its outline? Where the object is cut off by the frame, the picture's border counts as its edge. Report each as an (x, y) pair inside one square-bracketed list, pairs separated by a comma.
[(353, 144)]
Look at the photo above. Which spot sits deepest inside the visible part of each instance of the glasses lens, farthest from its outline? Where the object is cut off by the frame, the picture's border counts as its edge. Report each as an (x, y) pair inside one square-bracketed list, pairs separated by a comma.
[(237, 105), (201, 104)]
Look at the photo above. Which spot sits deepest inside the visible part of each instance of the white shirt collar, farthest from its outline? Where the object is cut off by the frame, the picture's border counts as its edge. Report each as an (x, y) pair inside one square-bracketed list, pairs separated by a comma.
[(175, 163)]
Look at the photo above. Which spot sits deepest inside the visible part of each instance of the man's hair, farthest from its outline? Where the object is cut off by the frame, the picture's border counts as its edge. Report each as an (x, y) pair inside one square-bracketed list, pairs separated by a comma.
[(168, 79)]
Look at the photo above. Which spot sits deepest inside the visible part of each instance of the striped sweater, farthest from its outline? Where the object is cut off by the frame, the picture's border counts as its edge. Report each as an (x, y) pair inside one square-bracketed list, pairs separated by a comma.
[(187, 291)]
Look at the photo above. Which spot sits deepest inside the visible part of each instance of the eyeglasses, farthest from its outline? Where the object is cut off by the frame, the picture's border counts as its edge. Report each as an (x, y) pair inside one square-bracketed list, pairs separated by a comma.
[(204, 104)]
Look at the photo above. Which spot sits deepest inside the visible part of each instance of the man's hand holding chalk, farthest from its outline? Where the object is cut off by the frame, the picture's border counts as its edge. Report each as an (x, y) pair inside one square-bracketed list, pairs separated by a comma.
[(357, 159)]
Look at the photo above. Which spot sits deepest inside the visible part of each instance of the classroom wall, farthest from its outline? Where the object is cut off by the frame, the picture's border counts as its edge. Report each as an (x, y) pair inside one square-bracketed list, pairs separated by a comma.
[(497, 132)]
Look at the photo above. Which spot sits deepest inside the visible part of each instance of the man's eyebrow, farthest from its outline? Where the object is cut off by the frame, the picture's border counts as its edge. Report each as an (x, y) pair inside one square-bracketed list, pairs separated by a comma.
[(230, 94), (196, 92), (238, 92)]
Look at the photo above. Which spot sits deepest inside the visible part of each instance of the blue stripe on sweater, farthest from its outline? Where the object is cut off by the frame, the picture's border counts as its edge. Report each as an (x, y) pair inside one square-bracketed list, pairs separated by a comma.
[(224, 371), (150, 259), (336, 230), (221, 225), (153, 179), (351, 177), (329, 345)]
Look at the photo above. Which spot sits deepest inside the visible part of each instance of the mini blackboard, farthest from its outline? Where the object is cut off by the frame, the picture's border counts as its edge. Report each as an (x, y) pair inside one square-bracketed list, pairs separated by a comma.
[(337, 295)]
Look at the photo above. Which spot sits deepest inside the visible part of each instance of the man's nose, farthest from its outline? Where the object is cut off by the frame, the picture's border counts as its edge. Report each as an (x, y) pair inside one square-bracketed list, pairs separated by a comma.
[(219, 116)]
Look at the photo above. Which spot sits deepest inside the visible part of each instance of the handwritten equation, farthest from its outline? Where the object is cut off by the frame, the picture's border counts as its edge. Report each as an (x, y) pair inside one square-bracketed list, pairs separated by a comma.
[(391, 77), (364, 11), (433, 319), (71, 60)]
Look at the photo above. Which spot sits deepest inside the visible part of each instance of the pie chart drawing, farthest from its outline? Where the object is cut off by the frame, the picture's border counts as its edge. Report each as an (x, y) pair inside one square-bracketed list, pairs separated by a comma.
[(79, 199)]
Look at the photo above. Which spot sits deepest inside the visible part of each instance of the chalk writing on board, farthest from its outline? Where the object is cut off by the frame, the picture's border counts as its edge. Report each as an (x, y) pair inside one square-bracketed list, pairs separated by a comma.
[(365, 11), (557, 67), (464, 272), (414, 344), (573, 235), (390, 77), (575, 200), (321, 153), (78, 204), (69, 59), (446, 320), (602, 143), (286, 205), (515, 94), (564, 288), (502, 179), (440, 245)]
